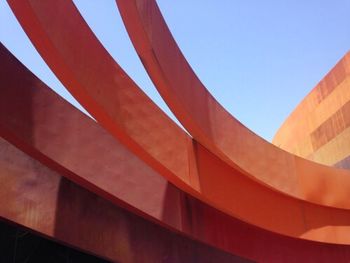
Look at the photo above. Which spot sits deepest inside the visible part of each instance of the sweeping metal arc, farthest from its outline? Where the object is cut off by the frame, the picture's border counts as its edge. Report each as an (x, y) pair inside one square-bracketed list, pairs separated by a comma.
[(42, 124), (96, 80), (216, 129), (46, 127)]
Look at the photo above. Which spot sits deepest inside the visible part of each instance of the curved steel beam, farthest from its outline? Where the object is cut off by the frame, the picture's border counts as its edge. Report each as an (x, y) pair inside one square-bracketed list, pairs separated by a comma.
[(51, 130), (211, 125), (118, 104)]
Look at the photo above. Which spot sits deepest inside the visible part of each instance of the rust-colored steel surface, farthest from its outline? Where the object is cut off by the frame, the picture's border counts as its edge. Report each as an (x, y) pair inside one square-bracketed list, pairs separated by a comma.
[(211, 125), (45, 126), (79, 60), (34, 118), (319, 127), (39, 199), (76, 56)]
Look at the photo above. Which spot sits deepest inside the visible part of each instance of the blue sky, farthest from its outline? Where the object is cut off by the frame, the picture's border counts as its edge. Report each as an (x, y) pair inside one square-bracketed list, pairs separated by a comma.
[(258, 58)]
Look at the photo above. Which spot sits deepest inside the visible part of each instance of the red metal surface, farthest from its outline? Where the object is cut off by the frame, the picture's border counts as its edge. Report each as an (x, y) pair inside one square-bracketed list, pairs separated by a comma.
[(211, 125), (39, 199), (115, 101), (54, 132), (60, 136)]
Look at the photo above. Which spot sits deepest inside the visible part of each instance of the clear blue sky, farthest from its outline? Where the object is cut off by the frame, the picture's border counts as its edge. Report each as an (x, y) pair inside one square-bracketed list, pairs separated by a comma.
[(258, 58)]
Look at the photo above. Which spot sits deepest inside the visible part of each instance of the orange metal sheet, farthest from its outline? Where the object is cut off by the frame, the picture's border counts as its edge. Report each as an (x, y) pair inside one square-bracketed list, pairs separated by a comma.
[(211, 125), (61, 137), (49, 129), (85, 68)]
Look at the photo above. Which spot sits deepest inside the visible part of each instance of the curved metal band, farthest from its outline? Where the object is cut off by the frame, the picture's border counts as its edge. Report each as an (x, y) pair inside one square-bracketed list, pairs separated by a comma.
[(39, 199), (85, 68), (211, 125), (51, 130)]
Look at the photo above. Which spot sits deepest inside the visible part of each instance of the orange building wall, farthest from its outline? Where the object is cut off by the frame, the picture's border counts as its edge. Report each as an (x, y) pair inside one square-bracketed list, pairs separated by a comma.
[(319, 128)]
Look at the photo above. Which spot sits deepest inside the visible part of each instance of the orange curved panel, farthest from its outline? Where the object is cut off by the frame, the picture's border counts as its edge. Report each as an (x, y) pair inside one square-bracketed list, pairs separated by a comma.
[(211, 125), (101, 86), (85, 68), (46, 127), (59, 136)]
